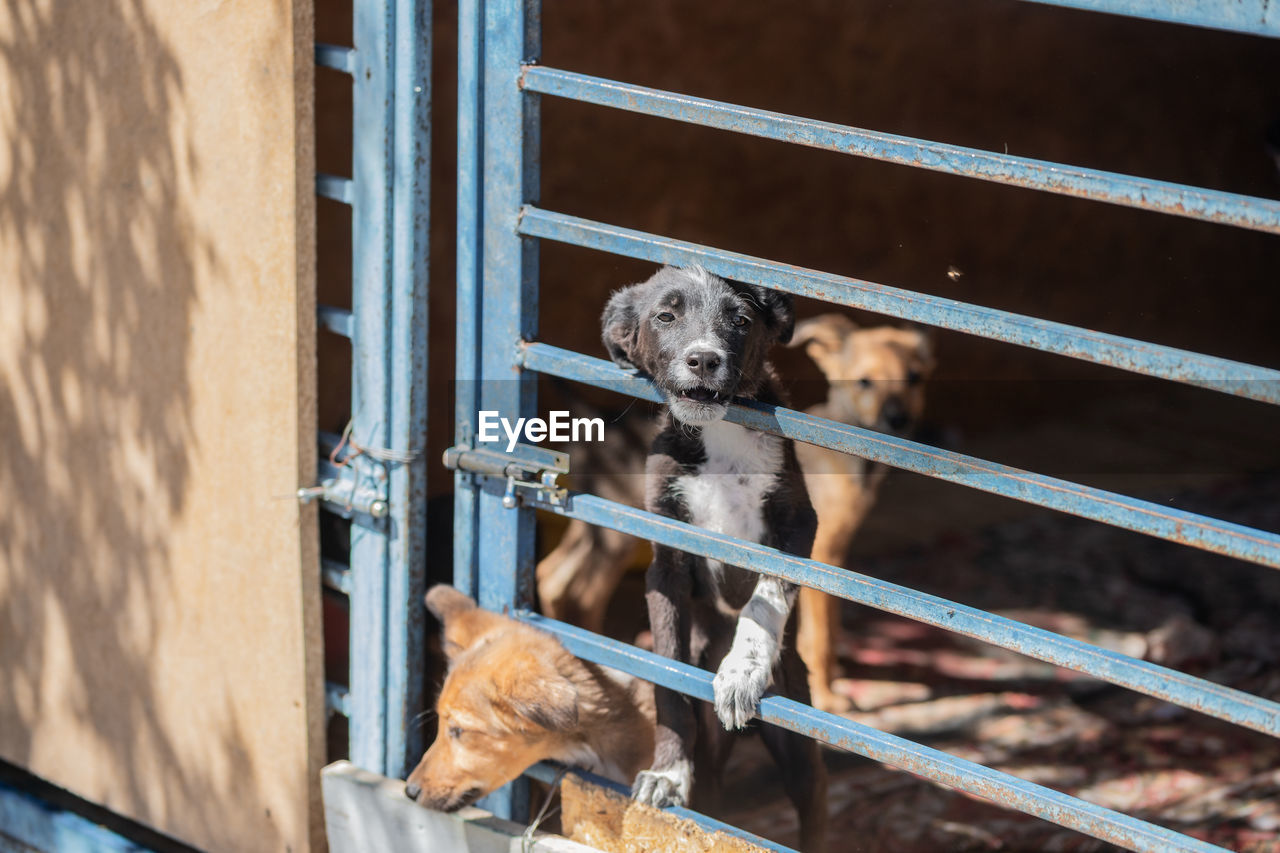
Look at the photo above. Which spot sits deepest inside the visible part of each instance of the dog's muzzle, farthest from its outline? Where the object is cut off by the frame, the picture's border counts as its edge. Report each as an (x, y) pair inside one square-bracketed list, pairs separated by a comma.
[(698, 404)]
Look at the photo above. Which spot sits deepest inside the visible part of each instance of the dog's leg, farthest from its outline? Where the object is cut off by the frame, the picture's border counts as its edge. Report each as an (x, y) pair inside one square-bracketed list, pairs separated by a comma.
[(713, 750), (557, 571), (747, 670), (578, 578), (670, 780), (819, 621), (804, 776), (820, 616)]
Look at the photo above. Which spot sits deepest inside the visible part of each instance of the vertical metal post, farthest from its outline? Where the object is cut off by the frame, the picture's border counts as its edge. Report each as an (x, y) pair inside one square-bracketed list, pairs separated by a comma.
[(466, 400), (390, 174), (497, 295)]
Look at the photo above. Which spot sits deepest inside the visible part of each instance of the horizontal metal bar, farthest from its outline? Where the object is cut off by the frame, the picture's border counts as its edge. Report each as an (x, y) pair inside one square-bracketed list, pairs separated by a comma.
[(1159, 196), (336, 320), (549, 773), (337, 699), (932, 764), (1204, 371), (1186, 528), (1256, 17), (1215, 700), (336, 576), (337, 57), (335, 188)]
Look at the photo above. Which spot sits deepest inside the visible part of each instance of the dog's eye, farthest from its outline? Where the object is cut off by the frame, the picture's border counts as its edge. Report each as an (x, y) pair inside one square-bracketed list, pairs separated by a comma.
[(913, 378), (742, 321), (665, 317), (455, 732), (864, 382)]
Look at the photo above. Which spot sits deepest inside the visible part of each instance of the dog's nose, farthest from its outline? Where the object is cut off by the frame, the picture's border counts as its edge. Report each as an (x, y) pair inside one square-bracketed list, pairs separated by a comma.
[(894, 414), (412, 790), (703, 362)]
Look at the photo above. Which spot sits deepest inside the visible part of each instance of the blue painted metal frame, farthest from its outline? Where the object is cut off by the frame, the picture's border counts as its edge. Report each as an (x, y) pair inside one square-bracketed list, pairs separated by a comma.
[(1158, 196), (1256, 17), (1188, 691), (1209, 534), (497, 269), (37, 825), (1204, 371), (933, 764), (388, 191), (498, 220)]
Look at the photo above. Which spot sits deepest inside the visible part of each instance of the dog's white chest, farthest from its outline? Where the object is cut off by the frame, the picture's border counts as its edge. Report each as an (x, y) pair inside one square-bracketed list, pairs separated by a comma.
[(727, 493)]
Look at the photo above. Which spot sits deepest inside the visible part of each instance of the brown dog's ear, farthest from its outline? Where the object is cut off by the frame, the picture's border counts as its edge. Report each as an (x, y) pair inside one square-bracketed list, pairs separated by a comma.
[(823, 335), (620, 325), (921, 340), (444, 601), (463, 621), (546, 698)]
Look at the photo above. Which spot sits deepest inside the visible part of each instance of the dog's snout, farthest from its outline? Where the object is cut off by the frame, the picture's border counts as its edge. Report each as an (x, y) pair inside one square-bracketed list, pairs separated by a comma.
[(895, 415), (412, 790), (702, 362)]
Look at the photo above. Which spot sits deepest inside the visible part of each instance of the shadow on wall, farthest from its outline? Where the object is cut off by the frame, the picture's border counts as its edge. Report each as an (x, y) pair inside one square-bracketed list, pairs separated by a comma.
[(98, 264)]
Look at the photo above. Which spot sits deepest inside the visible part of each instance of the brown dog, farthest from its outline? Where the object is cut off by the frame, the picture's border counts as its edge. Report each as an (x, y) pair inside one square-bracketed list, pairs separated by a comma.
[(513, 697), (875, 380)]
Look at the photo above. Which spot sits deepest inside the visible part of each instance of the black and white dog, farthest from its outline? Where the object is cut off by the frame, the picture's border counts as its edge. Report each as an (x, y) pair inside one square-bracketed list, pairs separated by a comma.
[(703, 341)]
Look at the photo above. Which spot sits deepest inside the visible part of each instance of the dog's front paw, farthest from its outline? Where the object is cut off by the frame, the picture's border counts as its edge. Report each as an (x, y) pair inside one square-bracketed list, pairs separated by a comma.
[(669, 786), (739, 685)]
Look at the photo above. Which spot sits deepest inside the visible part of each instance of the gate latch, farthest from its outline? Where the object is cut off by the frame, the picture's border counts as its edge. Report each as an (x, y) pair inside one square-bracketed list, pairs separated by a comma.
[(346, 496), (528, 467)]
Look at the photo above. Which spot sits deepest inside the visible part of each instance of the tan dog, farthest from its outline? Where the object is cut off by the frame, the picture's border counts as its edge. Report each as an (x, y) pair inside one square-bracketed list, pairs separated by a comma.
[(875, 380), (513, 697)]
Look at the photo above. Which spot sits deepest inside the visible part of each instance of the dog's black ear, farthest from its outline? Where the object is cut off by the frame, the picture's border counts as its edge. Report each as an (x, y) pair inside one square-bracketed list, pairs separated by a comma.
[(620, 325), (776, 308), (548, 701)]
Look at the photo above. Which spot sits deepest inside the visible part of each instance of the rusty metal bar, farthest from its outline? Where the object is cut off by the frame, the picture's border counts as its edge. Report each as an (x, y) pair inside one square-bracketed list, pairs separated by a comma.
[(1187, 528), (1159, 196), (1255, 17), (932, 764), (1187, 691), (1204, 371)]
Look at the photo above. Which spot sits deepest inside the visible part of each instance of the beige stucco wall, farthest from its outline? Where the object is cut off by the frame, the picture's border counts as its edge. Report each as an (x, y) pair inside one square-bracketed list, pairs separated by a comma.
[(159, 592)]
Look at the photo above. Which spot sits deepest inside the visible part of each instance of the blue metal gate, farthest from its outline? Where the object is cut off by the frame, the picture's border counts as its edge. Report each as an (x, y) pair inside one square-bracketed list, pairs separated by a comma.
[(499, 226), (376, 474)]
